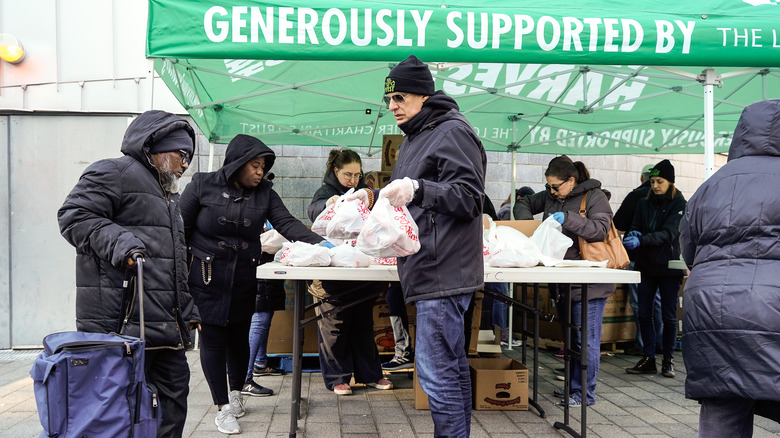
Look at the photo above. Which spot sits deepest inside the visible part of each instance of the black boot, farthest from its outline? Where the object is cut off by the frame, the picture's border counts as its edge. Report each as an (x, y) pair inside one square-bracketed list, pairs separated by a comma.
[(646, 365), (667, 367)]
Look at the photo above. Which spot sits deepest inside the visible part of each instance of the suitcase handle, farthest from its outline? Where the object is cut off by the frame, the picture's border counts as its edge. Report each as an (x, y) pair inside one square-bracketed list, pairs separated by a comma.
[(139, 260)]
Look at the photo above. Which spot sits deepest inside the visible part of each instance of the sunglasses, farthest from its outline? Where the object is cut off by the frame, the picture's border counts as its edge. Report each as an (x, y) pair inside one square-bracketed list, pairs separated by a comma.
[(185, 156), (397, 98), (555, 187)]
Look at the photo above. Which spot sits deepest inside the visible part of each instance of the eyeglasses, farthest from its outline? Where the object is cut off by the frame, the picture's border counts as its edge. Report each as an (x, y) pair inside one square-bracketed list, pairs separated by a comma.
[(351, 176), (185, 156), (397, 98), (555, 187)]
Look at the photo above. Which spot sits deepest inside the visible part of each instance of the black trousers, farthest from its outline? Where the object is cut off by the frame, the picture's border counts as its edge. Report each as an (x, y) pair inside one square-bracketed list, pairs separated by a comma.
[(346, 336), (220, 346), (169, 372)]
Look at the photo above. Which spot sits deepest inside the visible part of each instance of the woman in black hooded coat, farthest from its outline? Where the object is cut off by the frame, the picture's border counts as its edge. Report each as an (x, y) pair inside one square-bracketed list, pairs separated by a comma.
[(224, 213)]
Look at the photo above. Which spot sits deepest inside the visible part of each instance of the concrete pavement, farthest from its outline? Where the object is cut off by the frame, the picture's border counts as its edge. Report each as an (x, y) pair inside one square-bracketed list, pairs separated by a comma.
[(627, 406)]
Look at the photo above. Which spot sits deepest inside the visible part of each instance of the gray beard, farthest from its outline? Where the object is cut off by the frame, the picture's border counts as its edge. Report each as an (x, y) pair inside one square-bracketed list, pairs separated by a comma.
[(168, 179), (169, 182)]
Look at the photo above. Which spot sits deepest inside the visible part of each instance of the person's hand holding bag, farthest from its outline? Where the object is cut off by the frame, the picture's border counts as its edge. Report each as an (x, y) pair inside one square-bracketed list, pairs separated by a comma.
[(399, 192)]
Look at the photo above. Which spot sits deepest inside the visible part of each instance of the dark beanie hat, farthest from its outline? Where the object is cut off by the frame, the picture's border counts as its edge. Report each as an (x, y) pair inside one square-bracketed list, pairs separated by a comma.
[(176, 140), (664, 169), (410, 76)]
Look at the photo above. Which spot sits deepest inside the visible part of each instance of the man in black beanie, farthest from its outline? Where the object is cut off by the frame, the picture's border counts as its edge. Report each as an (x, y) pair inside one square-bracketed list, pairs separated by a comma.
[(440, 174), (124, 208)]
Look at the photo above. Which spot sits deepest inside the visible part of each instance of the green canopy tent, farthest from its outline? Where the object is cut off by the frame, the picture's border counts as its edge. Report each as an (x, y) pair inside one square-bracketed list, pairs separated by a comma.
[(531, 76)]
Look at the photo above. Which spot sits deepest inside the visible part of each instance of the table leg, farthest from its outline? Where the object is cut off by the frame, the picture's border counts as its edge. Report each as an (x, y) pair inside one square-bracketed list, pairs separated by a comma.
[(295, 393)]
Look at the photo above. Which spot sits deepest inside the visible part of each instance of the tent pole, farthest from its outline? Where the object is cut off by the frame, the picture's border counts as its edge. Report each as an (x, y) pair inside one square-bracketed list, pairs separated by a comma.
[(211, 156), (513, 182), (709, 79)]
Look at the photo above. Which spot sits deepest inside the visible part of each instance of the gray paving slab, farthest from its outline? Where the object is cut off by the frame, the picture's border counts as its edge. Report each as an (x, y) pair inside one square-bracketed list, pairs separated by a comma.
[(628, 406)]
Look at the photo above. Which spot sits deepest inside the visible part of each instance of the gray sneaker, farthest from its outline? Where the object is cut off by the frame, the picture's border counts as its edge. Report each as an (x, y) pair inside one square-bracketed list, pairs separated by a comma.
[(226, 421), (237, 403)]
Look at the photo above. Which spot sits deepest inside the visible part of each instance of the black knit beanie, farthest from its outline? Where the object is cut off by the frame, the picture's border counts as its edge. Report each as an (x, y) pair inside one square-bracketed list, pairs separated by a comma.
[(177, 140), (410, 76), (664, 169)]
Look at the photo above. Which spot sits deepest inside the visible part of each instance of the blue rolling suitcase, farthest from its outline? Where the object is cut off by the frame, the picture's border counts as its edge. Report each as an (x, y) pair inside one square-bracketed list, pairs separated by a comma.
[(93, 384)]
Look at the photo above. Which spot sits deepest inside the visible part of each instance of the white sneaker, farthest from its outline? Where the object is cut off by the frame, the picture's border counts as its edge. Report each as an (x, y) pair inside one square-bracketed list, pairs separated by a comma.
[(237, 403), (226, 421)]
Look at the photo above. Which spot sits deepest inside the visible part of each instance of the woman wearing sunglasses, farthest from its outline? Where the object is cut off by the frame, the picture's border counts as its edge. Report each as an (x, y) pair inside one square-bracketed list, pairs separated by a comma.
[(346, 342), (567, 183)]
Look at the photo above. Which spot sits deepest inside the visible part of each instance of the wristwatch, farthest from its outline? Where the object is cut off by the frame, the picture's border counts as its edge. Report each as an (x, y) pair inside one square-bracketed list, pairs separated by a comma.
[(415, 185)]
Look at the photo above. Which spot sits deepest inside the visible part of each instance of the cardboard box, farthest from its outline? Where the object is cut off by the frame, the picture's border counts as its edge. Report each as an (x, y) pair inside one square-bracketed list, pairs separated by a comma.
[(618, 324), (390, 145), (281, 332), (383, 328), (526, 227), (499, 384), (420, 397), (376, 179)]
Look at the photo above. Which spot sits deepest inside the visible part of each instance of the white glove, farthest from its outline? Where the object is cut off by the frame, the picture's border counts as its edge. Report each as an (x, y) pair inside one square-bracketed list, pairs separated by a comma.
[(399, 192), (357, 194)]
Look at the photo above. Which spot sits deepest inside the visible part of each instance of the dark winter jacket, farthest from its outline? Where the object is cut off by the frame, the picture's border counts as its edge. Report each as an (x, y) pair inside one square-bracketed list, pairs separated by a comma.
[(223, 224), (658, 218), (729, 237), (592, 228), (330, 187), (118, 206), (624, 216), (444, 154)]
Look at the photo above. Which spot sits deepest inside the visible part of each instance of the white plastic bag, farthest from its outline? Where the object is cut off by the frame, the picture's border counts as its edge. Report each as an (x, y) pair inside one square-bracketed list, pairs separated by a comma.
[(510, 248), (389, 232), (320, 225), (551, 240), (348, 256), (271, 241), (348, 218), (305, 254)]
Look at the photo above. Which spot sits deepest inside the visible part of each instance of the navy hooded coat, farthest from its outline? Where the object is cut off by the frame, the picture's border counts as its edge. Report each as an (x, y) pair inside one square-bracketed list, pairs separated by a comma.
[(729, 238)]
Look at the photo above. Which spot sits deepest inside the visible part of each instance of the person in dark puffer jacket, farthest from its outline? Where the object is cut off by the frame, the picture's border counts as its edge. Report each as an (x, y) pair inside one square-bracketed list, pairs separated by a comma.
[(127, 207), (224, 213), (731, 302)]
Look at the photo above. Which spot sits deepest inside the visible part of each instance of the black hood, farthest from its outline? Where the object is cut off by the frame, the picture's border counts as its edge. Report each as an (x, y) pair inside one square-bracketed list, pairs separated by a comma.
[(146, 129), (432, 111), (758, 131), (242, 149)]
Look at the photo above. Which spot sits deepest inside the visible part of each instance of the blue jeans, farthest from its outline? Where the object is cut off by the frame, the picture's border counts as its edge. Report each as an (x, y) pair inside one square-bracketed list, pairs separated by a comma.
[(669, 288), (500, 310), (595, 317), (442, 368), (633, 301), (258, 341)]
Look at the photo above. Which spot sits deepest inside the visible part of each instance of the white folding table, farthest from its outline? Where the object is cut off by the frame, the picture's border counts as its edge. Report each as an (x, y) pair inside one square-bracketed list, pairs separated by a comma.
[(535, 275)]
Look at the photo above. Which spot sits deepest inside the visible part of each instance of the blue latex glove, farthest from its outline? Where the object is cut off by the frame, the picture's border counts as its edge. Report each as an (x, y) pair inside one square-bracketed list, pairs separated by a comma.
[(327, 244), (634, 233), (631, 242), (558, 216)]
